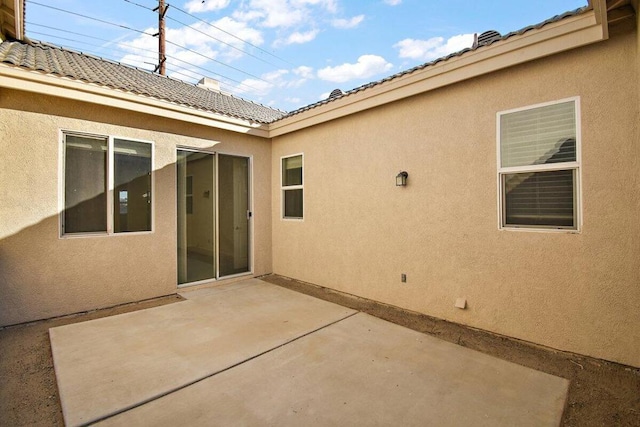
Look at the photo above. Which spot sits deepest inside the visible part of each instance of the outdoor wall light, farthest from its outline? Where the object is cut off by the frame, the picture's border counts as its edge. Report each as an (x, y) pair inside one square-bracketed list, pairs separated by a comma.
[(401, 179)]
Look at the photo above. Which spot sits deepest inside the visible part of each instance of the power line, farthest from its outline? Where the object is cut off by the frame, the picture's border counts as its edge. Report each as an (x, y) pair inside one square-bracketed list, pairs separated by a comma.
[(77, 34), (126, 45), (193, 75), (97, 53), (151, 35), (206, 34), (221, 41), (216, 61), (232, 35), (90, 17)]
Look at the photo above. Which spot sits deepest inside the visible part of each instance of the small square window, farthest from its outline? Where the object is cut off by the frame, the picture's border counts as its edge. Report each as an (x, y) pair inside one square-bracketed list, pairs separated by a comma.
[(292, 187)]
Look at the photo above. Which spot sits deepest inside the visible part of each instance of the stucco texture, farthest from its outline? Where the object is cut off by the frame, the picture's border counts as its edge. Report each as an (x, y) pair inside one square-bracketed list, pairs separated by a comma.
[(43, 275), (571, 291)]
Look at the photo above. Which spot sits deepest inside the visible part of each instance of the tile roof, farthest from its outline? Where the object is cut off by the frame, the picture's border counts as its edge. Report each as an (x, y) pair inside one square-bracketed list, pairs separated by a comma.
[(336, 94), (66, 63), (55, 60)]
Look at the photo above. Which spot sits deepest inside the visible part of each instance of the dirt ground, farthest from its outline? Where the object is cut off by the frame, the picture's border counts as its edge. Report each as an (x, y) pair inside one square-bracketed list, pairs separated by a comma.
[(28, 389), (601, 393)]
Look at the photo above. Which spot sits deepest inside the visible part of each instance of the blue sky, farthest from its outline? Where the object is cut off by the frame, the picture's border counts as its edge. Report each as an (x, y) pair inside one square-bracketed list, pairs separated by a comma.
[(282, 53)]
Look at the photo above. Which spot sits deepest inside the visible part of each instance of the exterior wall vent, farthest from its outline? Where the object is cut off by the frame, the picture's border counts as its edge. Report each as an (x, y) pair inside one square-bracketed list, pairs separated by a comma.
[(336, 93)]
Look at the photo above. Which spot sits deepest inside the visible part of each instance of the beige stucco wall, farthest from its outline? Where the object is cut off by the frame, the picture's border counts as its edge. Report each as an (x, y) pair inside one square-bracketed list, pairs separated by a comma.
[(43, 275), (578, 292)]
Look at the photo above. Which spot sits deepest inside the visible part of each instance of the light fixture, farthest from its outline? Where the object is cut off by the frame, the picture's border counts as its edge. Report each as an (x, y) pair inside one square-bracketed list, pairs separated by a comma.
[(401, 179)]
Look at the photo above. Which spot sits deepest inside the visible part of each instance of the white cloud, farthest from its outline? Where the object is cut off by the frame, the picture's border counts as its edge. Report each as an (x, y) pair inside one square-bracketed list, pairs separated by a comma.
[(238, 29), (330, 5), (285, 13), (255, 87), (367, 66), (272, 13), (203, 40), (275, 76), (300, 38), (195, 6), (278, 79), (303, 71), (241, 30), (348, 23), (302, 74), (206, 45), (247, 15), (264, 85), (435, 47), (393, 2), (142, 50), (143, 61)]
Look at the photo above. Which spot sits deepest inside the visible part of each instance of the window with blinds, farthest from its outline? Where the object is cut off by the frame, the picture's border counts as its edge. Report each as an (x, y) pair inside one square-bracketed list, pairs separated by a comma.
[(538, 166)]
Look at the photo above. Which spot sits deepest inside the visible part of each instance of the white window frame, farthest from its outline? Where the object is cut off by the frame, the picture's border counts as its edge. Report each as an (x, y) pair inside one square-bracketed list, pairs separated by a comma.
[(575, 166), (110, 185), (291, 187)]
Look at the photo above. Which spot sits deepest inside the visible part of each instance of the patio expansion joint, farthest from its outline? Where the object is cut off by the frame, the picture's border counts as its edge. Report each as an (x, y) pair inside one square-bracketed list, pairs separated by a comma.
[(189, 384)]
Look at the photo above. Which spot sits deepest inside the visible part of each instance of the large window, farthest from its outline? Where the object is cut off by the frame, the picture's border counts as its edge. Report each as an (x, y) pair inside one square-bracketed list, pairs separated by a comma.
[(292, 187), (107, 185), (539, 166)]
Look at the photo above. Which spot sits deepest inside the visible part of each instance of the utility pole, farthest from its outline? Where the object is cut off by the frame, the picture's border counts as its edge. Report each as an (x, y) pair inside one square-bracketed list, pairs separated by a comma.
[(162, 10)]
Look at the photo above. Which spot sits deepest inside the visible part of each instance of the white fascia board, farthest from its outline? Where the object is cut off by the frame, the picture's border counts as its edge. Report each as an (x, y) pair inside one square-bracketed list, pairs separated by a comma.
[(37, 82), (18, 14), (567, 34), (600, 11)]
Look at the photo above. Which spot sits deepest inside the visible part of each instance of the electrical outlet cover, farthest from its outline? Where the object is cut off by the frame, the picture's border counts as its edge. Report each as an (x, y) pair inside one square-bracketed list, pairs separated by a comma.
[(461, 303)]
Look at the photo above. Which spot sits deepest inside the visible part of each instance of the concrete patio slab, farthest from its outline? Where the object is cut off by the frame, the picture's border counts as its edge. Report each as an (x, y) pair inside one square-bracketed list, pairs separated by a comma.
[(107, 365), (363, 371)]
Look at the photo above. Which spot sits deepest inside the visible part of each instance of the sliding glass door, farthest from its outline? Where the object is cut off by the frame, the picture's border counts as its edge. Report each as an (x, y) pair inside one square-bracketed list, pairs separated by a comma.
[(233, 214), (213, 216)]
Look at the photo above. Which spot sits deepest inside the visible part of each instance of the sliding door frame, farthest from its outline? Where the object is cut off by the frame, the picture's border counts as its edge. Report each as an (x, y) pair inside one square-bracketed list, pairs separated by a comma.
[(216, 215)]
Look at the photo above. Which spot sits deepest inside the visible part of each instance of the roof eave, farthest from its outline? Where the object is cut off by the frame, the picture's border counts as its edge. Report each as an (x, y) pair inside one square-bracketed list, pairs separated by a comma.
[(570, 33), (33, 81), (599, 8), (12, 19)]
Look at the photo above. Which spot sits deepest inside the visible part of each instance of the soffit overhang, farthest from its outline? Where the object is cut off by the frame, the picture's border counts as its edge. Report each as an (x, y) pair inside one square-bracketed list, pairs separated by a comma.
[(41, 83)]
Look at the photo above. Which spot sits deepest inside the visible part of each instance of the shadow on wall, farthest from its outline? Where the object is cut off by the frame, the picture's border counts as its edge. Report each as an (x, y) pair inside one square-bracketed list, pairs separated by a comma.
[(44, 275)]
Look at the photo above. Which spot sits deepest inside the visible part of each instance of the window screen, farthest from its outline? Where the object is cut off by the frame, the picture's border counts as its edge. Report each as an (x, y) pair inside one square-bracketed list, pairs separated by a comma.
[(132, 182), (85, 193)]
